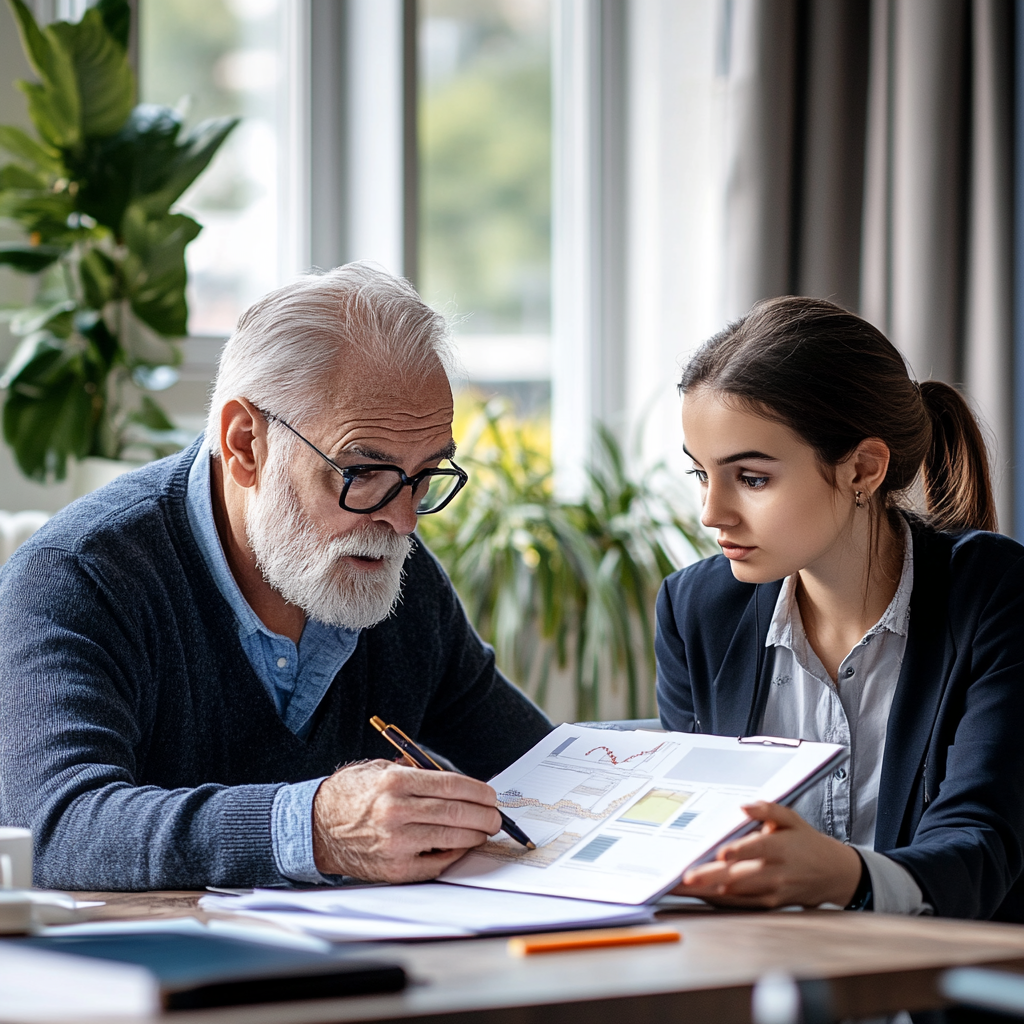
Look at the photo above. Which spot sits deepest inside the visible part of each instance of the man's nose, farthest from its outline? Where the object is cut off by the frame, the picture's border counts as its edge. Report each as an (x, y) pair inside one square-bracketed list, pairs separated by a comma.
[(399, 513)]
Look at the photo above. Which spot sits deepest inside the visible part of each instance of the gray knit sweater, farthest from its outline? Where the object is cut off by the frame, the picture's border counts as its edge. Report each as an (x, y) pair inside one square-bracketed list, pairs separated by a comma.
[(135, 740)]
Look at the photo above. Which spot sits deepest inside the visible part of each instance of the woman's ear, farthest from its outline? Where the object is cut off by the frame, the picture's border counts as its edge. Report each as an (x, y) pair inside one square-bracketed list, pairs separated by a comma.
[(865, 467)]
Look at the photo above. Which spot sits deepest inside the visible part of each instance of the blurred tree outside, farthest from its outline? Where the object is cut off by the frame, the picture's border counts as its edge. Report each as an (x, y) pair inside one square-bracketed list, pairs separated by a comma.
[(182, 40), (485, 163)]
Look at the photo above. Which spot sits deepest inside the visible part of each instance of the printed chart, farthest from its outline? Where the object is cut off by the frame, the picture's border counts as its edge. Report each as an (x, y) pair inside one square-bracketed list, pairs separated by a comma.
[(618, 816)]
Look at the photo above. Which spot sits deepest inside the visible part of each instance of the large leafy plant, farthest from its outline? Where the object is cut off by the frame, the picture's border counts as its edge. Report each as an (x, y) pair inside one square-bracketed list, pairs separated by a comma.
[(93, 193), (563, 589)]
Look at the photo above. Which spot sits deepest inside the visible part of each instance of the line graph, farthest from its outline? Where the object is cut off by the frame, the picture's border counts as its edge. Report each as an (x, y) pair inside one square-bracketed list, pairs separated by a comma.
[(611, 758), (512, 798)]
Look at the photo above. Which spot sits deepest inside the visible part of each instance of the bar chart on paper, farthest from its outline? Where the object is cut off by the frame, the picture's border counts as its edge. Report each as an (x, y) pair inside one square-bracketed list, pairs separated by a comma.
[(618, 816)]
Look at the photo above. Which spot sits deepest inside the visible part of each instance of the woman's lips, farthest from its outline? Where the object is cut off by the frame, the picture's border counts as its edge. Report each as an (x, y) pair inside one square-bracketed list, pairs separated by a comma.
[(734, 551)]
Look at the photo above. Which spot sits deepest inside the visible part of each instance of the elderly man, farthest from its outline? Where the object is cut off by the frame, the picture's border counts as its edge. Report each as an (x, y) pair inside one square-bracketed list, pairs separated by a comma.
[(190, 653)]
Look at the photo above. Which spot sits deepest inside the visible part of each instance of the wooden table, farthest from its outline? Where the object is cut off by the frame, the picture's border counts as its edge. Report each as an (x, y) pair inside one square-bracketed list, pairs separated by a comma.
[(877, 965)]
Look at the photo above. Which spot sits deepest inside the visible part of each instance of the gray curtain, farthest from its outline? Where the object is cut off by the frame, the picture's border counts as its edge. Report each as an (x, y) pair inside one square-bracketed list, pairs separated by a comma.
[(869, 155)]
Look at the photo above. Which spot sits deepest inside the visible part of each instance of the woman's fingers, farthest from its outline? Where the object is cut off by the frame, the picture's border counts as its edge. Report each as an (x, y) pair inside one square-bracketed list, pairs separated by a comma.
[(735, 885), (721, 873), (774, 818), (762, 810), (785, 861), (757, 844), (706, 875)]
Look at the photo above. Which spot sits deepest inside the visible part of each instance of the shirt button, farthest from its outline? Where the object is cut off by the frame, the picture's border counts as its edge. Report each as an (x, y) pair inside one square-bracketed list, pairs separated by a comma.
[(849, 672), (281, 662), (840, 774)]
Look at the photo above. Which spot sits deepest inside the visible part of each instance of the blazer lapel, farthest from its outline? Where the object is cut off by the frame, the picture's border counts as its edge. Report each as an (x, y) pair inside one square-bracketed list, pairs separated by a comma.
[(740, 687), (919, 689)]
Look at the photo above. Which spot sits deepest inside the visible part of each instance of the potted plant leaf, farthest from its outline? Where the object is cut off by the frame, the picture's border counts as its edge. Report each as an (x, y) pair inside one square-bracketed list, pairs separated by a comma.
[(564, 590), (93, 192)]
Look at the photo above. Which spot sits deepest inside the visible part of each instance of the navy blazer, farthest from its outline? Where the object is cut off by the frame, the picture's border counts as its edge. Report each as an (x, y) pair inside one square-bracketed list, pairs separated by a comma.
[(951, 795)]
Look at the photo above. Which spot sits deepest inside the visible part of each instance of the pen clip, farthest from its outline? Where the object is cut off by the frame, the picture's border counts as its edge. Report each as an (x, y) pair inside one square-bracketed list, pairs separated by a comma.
[(383, 729), (416, 747)]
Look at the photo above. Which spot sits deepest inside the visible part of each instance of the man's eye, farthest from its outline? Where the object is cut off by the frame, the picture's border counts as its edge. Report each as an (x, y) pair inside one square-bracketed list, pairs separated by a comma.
[(702, 477), (755, 483)]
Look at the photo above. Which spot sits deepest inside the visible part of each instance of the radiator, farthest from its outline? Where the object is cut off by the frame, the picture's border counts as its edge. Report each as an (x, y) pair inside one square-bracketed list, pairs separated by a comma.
[(16, 528)]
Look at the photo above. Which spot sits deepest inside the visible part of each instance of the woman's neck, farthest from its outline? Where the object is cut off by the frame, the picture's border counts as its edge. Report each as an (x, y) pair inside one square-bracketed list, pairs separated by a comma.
[(841, 598)]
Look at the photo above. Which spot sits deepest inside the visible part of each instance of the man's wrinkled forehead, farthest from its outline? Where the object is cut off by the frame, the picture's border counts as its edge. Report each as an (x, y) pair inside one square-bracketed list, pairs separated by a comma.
[(372, 408)]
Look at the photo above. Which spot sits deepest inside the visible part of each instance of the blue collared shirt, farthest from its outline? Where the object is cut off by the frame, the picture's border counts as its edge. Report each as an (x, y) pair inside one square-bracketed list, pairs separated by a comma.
[(295, 677)]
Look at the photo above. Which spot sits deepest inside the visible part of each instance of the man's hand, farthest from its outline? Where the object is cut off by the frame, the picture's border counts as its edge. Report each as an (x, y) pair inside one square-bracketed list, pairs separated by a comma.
[(383, 822), (785, 862)]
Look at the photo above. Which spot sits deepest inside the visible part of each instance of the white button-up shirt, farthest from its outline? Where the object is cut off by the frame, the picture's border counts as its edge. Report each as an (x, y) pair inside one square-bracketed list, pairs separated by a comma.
[(804, 703)]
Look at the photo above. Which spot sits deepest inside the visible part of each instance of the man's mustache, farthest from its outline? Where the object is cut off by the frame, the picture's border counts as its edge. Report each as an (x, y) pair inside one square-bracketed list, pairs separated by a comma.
[(378, 542)]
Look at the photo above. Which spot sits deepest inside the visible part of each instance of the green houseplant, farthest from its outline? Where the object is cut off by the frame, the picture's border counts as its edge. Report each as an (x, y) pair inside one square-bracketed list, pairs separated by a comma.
[(563, 587), (93, 194)]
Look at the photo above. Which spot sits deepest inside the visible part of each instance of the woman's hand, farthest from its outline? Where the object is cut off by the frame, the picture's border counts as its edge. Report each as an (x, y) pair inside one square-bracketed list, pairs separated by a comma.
[(785, 862)]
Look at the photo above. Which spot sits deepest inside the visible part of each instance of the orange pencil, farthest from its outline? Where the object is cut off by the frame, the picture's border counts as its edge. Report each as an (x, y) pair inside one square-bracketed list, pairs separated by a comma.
[(598, 938)]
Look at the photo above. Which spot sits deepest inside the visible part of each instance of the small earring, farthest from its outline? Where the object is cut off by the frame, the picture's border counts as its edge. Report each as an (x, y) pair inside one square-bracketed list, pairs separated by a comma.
[(857, 497)]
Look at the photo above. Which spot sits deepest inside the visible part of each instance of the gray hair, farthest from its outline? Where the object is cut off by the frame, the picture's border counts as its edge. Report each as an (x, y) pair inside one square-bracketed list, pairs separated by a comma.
[(287, 345)]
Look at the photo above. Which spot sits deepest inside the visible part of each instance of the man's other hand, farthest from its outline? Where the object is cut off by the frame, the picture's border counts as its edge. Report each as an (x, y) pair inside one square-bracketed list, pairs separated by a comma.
[(384, 822)]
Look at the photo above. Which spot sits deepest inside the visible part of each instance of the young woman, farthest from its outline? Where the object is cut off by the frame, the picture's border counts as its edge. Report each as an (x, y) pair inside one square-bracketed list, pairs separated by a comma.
[(835, 614)]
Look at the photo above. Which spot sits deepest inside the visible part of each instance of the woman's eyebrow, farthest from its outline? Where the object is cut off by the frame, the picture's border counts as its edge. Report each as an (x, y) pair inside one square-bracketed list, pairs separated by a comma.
[(738, 457), (741, 456)]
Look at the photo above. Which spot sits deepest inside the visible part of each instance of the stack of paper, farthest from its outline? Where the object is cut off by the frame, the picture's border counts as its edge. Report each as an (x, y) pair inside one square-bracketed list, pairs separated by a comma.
[(427, 911)]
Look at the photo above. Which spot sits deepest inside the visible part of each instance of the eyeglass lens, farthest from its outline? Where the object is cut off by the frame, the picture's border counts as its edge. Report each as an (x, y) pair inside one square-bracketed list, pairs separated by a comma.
[(370, 488)]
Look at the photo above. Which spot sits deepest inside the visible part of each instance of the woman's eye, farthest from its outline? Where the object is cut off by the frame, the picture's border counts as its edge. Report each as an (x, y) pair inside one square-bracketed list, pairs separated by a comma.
[(702, 477), (755, 483)]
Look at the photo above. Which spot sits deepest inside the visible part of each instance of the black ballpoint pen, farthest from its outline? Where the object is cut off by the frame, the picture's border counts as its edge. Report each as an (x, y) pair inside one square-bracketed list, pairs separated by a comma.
[(421, 759)]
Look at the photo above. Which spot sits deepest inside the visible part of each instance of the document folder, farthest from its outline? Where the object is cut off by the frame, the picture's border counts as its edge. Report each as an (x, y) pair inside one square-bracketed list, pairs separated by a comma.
[(200, 971)]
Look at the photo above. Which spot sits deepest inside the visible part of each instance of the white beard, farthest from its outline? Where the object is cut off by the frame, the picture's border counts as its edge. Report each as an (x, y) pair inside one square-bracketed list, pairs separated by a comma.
[(305, 565)]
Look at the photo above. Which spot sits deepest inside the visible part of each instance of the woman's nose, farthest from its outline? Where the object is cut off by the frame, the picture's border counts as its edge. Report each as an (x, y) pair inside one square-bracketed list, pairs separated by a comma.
[(716, 512)]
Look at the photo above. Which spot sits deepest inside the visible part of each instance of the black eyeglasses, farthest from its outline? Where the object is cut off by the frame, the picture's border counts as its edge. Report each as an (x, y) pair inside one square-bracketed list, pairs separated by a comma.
[(370, 487)]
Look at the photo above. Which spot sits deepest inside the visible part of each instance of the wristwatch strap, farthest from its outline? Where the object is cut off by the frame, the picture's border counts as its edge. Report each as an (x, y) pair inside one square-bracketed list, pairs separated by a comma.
[(863, 897)]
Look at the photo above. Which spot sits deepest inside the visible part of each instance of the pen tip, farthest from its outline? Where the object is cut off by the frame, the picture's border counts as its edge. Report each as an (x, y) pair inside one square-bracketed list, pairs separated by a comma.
[(531, 846)]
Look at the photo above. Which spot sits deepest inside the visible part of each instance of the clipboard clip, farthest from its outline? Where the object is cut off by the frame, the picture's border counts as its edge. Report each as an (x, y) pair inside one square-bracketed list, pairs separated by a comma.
[(769, 741)]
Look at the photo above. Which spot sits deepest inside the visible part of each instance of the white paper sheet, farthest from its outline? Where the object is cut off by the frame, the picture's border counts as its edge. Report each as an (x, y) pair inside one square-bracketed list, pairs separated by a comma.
[(429, 910), (340, 928), (619, 816), (240, 928)]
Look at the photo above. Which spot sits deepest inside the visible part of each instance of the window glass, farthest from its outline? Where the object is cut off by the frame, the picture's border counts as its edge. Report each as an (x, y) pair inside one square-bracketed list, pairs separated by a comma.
[(485, 184), (218, 57)]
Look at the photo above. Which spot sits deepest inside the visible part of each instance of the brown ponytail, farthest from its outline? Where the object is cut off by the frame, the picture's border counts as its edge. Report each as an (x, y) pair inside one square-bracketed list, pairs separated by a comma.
[(957, 486), (836, 380)]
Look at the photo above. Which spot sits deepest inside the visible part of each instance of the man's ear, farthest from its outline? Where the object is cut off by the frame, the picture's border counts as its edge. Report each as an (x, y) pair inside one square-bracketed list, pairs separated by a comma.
[(243, 441), (867, 465)]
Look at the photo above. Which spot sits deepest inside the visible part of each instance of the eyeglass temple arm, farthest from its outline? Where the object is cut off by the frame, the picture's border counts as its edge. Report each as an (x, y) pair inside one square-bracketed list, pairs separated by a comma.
[(462, 474), (308, 444)]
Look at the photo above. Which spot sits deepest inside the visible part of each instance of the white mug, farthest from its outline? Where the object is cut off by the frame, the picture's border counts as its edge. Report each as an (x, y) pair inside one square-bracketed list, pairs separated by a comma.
[(15, 858)]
